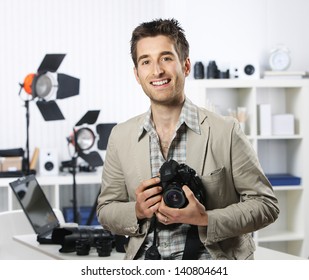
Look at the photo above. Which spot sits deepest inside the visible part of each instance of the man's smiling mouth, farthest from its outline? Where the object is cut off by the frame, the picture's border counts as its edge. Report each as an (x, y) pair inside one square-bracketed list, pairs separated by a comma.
[(160, 83)]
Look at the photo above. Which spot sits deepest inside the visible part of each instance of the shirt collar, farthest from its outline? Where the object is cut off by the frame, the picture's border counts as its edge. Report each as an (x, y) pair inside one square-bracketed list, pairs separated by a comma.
[(188, 116)]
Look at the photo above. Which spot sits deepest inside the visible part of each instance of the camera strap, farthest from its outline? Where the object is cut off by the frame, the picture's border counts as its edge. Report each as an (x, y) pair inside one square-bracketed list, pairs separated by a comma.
[(193, 244)]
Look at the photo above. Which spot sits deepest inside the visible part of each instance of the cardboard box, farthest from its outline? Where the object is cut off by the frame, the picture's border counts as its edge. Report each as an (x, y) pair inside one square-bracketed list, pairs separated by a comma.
[(283, 124), (11, 164)]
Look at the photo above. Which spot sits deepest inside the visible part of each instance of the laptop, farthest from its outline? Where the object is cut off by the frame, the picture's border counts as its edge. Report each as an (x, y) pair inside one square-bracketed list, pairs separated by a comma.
[(36, 207)]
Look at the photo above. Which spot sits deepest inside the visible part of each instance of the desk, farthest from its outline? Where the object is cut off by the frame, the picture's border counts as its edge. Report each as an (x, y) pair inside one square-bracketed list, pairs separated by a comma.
[(53, 251)]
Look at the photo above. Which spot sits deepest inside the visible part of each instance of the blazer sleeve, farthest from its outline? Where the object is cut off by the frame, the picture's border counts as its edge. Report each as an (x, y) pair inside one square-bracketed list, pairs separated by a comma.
[(257, 205), (115, 209)]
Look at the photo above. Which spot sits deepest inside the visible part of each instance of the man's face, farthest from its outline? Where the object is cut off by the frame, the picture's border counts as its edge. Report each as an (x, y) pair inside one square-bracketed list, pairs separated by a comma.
[(159, 70)]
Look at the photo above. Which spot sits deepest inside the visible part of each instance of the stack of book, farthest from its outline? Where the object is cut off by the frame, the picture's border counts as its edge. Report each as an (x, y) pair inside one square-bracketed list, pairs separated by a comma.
[(283, 179), (285, 74)]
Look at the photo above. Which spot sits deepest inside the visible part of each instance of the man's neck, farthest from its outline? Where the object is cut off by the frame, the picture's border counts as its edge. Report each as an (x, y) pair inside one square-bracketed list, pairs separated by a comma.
[(165, 119)]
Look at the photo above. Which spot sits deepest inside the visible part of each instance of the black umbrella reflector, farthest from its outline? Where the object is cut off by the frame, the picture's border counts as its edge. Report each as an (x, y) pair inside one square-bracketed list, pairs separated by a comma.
[(89, 118), (50, 110), (104, 130), (51, 63)]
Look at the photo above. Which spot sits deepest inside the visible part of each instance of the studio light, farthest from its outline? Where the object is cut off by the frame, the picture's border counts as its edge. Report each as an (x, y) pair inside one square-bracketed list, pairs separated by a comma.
[(47, 85), (44, 87), (83, 139)]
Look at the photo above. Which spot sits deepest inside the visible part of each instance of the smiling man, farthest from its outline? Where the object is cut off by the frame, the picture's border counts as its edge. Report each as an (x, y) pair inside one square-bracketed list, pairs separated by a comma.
[(228, 199)]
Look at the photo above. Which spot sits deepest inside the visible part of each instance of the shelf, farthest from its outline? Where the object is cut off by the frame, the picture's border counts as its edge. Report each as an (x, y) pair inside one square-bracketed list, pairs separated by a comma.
[(248, 83), (280, 137), (288, 188), (278, 154), (281, 235)]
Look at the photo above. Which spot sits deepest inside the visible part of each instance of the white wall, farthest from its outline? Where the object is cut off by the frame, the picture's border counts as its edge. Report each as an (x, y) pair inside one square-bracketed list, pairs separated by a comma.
[(95, 35)]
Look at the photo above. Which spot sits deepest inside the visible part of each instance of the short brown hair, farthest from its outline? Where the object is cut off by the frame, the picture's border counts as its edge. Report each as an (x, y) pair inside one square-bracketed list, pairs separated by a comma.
[(167, 27)]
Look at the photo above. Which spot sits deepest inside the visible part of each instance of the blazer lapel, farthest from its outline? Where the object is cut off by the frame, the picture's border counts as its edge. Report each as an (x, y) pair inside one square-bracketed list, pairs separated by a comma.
[(142, 157), (197, 145)]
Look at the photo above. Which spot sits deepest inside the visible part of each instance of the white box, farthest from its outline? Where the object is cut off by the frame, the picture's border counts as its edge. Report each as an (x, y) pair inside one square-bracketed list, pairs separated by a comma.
[(283, 124), (264, 119)]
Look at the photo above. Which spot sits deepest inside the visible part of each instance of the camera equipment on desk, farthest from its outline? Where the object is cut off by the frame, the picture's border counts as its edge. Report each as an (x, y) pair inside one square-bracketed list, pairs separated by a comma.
[(67, 166), (82, 239)]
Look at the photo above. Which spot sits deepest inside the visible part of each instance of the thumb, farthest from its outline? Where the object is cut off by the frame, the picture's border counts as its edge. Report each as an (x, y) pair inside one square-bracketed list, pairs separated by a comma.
[(189, 194)]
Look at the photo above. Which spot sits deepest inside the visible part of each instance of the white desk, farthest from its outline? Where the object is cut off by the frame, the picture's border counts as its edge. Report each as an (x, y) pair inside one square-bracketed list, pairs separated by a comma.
[(53, 251)]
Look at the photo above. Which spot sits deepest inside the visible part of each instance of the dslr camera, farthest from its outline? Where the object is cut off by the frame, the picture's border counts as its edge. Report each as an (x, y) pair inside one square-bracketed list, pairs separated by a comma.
[(173, 176)]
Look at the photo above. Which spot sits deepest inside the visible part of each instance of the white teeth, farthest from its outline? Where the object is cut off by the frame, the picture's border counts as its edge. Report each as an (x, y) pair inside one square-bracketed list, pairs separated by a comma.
[(160, 83)]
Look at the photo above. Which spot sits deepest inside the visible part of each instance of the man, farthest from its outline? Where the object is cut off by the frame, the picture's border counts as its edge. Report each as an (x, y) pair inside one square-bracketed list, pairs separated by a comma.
[(238, 198)]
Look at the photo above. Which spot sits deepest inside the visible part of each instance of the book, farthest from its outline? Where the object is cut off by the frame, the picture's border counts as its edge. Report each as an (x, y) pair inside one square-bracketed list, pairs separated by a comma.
[(285, 74), (283, 179)]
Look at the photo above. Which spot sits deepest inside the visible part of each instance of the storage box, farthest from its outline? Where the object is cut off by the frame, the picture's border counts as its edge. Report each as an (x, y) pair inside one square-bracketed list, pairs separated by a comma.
[(283, 124), (11, 164)]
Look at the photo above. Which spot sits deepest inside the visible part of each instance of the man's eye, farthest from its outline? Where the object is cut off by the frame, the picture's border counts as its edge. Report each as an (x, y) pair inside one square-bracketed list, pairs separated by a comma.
[(145, 62), (166, 58)]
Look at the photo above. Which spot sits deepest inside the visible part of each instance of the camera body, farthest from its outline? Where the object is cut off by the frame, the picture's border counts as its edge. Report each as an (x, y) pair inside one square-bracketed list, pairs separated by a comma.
[(173, 177)]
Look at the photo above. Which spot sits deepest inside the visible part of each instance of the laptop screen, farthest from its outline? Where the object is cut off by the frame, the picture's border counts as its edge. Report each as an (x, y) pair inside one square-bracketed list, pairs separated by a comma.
[(35, 204)]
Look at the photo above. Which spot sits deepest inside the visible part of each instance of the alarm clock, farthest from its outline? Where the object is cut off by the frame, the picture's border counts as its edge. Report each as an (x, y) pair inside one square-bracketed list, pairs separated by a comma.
[(279, 58)]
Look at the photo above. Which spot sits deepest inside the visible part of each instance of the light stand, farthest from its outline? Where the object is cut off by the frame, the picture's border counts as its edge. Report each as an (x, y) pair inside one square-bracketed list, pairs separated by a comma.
[(75, 212), (27, 161), (82, 140)]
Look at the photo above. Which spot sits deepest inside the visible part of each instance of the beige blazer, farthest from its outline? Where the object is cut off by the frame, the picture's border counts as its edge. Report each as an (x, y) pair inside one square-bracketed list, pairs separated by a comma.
[(239, 198)]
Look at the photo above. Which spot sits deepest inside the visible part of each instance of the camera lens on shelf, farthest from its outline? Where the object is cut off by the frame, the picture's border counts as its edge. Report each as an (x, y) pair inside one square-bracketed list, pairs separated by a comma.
[(199, 72), (212, 70)]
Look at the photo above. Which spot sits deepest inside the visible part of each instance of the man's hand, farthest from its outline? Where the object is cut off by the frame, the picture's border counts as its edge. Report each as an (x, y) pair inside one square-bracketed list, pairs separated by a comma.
[(148, 198), (194, 213)]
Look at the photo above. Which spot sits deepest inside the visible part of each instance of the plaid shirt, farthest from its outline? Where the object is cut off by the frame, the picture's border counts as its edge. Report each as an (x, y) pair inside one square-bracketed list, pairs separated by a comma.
[(171, 238)]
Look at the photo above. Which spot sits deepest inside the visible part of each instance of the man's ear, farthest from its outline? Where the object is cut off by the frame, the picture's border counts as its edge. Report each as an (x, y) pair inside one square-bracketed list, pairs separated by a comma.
[(187, 67), (136, 75)]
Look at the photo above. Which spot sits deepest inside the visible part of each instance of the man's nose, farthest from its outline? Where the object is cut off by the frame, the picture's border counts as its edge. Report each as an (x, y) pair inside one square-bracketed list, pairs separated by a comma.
[(157, 69)]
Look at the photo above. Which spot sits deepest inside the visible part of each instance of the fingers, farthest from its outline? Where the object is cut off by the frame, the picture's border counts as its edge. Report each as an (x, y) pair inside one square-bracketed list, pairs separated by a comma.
[(148, 197), (163, 219)]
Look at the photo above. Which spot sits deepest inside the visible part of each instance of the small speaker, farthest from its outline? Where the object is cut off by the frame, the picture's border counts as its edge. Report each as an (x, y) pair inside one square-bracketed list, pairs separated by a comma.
[(245, 71), (49, 162)]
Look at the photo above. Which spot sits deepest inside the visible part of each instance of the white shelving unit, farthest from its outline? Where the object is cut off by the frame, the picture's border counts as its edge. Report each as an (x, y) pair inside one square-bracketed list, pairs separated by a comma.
[(277, 154), (58, 190)]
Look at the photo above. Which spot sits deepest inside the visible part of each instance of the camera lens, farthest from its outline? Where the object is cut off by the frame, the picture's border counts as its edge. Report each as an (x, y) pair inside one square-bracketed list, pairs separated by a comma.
[(174, 197), (82, 247), (104, 247), (249, 69)]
